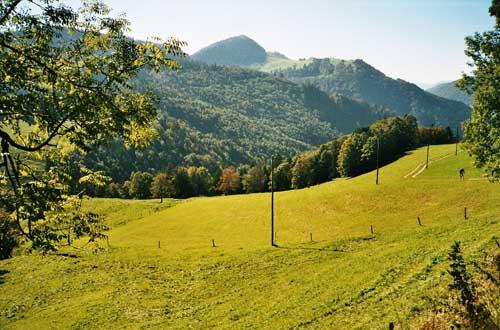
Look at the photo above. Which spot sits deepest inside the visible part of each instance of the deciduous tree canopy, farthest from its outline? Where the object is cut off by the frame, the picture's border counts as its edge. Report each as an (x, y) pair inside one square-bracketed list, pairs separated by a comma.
[(65, 83), (482, 132)]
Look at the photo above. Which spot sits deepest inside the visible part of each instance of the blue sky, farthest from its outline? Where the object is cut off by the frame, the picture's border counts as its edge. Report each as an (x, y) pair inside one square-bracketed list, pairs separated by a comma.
[(419, 41)]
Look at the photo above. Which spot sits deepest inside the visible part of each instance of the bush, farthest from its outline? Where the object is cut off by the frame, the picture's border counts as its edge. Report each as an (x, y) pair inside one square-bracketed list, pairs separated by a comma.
[(473, 308), (9, 237)]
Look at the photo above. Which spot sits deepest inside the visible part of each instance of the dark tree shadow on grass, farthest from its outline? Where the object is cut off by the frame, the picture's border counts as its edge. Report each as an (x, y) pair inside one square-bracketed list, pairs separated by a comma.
[(340, 247), (2, 275), (308, 248)]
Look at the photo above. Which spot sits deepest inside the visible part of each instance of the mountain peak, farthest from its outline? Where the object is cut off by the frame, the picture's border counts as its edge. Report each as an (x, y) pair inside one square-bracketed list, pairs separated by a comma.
[(235, 51)]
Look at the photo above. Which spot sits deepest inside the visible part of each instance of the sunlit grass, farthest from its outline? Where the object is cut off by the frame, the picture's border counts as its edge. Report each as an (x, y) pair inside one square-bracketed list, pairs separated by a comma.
[(345, 278)]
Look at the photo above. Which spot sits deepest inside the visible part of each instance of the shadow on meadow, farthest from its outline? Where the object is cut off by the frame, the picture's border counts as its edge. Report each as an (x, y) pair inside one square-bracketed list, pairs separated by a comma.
[(2, 274), (342, 245)]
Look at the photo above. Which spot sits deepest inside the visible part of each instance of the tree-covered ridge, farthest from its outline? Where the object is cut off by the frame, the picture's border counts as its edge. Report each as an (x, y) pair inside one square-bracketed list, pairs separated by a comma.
[(346, 156), (357, 79), (216, 116), (359, 152), (449, 90), (351, 78), (234, 51)]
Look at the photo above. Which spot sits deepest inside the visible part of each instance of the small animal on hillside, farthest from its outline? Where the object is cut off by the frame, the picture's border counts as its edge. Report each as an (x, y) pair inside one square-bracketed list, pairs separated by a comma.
[(462, 174)]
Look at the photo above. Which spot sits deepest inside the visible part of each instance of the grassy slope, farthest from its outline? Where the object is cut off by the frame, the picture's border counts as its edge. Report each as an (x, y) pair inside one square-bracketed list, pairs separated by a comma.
[(346, 278)]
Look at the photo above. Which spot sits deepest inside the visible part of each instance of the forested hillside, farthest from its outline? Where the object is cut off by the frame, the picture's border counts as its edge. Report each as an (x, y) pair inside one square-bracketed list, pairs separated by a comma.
[(357, 79), (354, 79), (216, 116), (450, 91)]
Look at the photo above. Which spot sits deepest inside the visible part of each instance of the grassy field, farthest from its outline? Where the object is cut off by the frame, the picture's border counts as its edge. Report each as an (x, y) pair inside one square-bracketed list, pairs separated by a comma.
[(345, 278)]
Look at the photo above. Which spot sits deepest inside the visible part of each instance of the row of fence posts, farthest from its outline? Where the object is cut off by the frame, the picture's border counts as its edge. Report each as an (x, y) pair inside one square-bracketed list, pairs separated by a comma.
[(372, 230)]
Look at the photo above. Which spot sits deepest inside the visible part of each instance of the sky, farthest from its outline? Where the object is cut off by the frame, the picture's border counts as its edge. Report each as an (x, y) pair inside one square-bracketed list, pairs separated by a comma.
[(418, 41)]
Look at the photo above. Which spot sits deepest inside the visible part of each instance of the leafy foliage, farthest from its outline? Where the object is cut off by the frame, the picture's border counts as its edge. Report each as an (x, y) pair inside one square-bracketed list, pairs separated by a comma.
[(230, 181), (482, 132), (140, 184), (65, 83), (9, 235), (161, 186), (256, 179)]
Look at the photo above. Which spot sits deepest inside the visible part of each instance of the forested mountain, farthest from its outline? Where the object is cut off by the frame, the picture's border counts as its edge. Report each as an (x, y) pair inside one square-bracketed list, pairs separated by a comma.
[(354, 79), (216, 116), (357, 79), (235, 51), (450, 91)]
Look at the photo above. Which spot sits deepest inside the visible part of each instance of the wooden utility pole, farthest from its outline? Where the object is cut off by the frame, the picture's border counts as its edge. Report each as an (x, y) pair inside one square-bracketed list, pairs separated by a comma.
[(272, 203), (456, 143), (427, 161), (378, 155)]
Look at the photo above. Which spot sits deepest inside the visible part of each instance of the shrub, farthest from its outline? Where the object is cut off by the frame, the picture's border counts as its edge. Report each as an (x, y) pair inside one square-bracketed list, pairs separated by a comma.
[(9, 238)]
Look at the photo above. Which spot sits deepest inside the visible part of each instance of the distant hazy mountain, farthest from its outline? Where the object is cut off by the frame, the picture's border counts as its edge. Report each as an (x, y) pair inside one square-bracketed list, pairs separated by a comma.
[(424, 86), (354, 79), (235, 51), (450, 91)]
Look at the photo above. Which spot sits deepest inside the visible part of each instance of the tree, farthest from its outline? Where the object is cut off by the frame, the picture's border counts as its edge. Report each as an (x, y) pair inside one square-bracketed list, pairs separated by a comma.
[(140, 185), (201, 180), (9, 235), (113, 190), (326, 165), (282, 177), (482, 131), (161, 186), (348, 162), (93, 183), (230, 181), (183, 187), (65, 81), (255, 180), (303, 172)]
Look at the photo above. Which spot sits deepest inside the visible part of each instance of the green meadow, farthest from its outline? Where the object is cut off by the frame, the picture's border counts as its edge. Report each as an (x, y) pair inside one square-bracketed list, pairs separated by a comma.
[(159, 269)]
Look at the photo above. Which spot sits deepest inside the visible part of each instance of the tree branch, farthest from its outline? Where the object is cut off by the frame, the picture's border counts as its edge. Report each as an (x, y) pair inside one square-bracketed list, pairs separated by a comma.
[(6, 137), (46, 66), (9, 11)]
